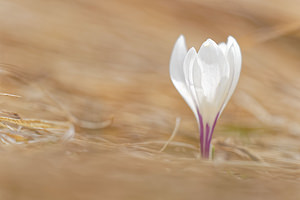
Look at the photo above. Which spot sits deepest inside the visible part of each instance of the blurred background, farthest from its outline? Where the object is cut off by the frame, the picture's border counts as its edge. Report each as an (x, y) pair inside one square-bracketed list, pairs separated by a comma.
[(103, 67)]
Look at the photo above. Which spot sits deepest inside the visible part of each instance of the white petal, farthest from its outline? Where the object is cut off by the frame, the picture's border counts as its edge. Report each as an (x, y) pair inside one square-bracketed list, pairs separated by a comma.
[(177, 58), (234, 59), (188, 63), (196, 75), (214, 66), (177, 73), (223, 47)]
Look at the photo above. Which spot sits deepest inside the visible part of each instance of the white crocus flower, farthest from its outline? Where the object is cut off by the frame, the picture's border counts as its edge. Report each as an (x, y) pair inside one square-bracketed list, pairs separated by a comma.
[(206, 80)]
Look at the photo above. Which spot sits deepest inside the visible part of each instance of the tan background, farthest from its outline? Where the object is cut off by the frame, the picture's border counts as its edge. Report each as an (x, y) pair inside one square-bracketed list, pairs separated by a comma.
[(104, 59)]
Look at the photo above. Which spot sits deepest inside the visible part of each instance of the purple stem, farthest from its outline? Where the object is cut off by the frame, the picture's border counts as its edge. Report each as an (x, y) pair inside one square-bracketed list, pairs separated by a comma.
[(208, 132), (201, 133), (213, 127), (207, 144)]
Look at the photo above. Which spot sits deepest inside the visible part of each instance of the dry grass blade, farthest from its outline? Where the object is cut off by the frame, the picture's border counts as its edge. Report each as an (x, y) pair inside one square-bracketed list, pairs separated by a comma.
[(9, 95), (35, 123), (172, 135)]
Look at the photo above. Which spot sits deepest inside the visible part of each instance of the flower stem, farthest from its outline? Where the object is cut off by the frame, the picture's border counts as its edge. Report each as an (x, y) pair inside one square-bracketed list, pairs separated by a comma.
[(205, 140)]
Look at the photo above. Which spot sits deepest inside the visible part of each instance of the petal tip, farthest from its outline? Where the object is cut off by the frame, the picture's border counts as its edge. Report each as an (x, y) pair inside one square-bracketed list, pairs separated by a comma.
[(181, 39), (231, 40), (209, 42), (192, 50), (230, 37)]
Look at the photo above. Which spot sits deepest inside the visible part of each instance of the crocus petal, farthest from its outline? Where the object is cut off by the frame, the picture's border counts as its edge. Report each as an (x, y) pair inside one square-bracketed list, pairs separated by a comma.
[(213, 66), (234, 59), (214, 69), (223, 47), (177, 73), (188, 64), (177, 58)]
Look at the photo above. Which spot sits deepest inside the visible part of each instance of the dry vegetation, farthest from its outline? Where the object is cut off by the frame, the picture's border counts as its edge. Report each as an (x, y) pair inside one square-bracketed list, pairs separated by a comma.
[(99, 69)]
